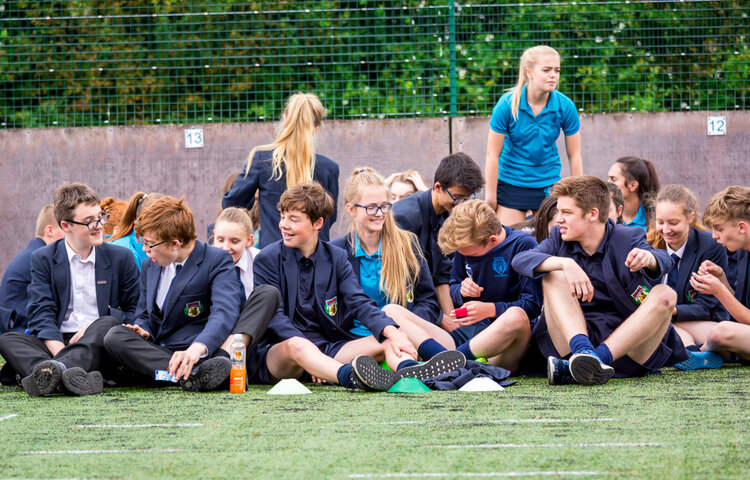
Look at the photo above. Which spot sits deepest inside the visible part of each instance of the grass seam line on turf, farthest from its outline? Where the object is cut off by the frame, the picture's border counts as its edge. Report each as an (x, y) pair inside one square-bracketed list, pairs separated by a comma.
[(547, 445), (527, 420), (85, 452), (145, 425), (477, 474)]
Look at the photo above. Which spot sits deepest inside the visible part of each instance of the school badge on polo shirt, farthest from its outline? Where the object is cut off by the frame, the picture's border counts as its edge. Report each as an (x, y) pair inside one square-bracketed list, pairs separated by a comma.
[(193, 309), (410, 293), (332, 306), (691, 295), (640, 294)]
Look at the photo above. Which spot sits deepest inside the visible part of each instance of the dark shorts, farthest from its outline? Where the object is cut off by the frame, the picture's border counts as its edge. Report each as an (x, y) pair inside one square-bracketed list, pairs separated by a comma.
[(464, 334), (257, 366), (520, 198), (600, 326)]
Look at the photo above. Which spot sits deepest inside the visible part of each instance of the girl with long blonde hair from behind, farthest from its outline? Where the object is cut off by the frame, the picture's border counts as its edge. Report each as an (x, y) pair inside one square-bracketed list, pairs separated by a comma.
[(291, 159), (386, 259), (522, 161)]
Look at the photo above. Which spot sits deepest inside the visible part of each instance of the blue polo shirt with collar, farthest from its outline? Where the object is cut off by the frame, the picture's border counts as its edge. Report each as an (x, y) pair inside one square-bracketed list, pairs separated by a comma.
[(369, 279), (529, 157), (639, 220)]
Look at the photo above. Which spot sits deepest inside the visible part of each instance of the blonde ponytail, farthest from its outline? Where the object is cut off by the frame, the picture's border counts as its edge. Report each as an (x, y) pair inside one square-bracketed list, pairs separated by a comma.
[(294, 146)]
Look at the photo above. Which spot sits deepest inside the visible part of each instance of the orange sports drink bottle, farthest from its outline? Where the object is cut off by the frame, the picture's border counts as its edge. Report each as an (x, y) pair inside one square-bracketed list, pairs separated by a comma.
[(239, 371)]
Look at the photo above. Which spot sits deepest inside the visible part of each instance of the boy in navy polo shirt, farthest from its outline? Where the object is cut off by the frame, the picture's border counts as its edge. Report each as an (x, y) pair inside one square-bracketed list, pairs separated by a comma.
[(728, 215), (458, 178), (496, 303), (601, 286), (321, 297)]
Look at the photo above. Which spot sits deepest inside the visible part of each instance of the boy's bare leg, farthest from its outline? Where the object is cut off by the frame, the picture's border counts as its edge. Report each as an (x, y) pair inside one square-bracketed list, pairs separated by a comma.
[(294, 356), (505, 341), (642, 332), (361, 346), (562, 312)]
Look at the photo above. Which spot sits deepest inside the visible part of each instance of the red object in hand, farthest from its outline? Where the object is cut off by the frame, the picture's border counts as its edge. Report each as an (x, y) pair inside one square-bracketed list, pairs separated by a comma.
[(460, 312)]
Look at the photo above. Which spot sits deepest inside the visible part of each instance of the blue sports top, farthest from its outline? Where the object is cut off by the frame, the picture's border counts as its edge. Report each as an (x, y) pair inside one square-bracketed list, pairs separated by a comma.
[(639, 220), (369, 280), (529, 157), (136, 248)]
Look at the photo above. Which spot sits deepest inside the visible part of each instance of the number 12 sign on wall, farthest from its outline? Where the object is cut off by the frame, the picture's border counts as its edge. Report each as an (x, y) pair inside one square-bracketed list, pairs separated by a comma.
[(717, 125)]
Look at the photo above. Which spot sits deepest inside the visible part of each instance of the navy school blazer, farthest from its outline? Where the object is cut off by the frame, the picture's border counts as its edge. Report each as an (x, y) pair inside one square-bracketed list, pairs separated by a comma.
[(692, 305), (260, 179), (16, 280), (423, 302), (203, 305), (49, 292), (416, 214), (626, 285), (339, 298)]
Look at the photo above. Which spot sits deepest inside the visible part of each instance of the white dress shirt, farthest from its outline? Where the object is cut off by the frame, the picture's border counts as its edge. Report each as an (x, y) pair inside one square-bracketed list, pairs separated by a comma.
[(82, 306)]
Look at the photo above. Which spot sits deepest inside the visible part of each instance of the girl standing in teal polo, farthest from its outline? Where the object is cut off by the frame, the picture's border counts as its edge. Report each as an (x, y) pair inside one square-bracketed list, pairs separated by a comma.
[(522, 160)]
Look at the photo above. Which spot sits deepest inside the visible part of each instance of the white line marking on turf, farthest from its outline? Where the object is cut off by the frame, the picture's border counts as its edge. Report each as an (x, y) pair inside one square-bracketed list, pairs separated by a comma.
[(84, 452), (475, 474), (145, 425), (8, 417), (547, 445), (522, 420)]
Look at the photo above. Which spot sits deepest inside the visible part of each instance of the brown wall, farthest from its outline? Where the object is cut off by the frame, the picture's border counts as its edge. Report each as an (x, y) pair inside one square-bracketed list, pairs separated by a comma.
[(119, 161)]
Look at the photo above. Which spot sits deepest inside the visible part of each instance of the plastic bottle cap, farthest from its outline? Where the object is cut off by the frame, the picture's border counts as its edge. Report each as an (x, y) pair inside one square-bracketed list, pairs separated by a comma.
[(237, 337)]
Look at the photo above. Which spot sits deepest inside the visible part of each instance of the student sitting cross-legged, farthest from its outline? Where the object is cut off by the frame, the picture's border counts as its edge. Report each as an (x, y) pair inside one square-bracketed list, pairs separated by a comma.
[(678, 231), (604, 304), (79, 289), (321, 297), (189, 304), (728, 215)]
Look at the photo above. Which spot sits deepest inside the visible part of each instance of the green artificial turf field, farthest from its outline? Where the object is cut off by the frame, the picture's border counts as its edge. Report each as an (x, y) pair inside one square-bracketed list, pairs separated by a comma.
[(676, 425)]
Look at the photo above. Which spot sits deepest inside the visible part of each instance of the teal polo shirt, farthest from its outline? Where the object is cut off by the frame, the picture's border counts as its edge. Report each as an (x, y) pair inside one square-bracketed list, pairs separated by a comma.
[(529, 157), (369, 279), (639, 220)]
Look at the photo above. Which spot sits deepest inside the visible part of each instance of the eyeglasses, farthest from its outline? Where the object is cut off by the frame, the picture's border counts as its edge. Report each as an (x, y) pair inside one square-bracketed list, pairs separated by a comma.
[(93, 224), (373, 209), (151, 246), (460, 200)]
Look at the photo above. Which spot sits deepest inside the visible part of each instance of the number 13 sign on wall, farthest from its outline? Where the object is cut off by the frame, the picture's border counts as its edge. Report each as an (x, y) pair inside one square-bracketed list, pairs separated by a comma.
[(193, 138)]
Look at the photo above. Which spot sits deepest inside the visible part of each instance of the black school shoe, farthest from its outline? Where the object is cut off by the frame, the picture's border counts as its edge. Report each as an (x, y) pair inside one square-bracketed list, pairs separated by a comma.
[(208, 375), (441, 363), (45, 379), (80, 382), (370, 377)]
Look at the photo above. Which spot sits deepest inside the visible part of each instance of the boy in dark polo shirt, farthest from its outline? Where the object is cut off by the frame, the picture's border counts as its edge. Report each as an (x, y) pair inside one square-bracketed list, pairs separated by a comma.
[(602, 286)]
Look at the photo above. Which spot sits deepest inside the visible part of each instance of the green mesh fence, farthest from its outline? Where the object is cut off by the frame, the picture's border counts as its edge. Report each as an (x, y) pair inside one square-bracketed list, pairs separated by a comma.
[(125, 62)]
